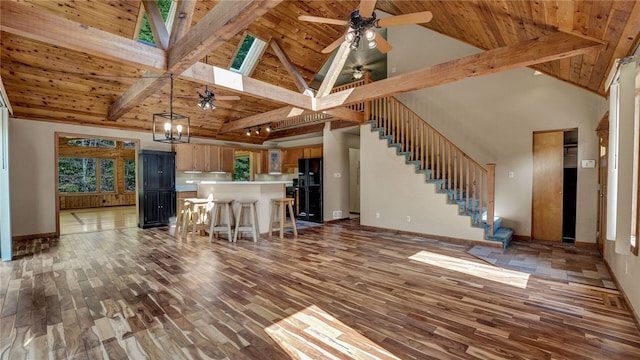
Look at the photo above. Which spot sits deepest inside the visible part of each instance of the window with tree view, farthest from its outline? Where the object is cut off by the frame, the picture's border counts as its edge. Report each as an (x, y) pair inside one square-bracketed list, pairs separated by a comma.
[(95, 165)]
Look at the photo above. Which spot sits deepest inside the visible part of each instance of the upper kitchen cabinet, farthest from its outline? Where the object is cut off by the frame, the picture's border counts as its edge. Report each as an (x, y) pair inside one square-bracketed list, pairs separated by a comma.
[(312, 152), (290, 159), (220, 159), (191, 157)]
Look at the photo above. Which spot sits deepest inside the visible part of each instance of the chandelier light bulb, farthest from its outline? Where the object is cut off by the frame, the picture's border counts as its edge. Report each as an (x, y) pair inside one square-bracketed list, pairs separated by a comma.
[(370, 34), (372, 44), (350, 36)]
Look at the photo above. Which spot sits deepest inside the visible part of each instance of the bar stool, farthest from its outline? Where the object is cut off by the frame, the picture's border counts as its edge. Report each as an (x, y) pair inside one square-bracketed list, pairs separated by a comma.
[(216, 225), (181, 212), (249, 205), (195, 217), (278, 216)]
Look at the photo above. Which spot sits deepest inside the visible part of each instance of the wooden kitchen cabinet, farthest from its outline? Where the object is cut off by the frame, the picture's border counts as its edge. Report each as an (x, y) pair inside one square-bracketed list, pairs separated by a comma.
[(227, 159), (312, 152), (191, 157), (260, 161), (220, 159), (290, 159)]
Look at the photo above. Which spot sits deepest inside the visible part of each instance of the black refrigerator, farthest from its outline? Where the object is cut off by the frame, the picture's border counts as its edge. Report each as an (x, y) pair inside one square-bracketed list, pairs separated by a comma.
[(310, 189)]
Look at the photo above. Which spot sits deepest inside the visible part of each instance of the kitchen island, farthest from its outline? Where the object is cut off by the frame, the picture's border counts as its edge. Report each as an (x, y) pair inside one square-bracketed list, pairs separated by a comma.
[(263, 191)]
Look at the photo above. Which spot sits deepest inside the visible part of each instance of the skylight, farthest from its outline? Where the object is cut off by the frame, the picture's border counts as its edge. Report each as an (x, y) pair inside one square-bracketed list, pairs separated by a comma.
[(247, 55), (167, 10)]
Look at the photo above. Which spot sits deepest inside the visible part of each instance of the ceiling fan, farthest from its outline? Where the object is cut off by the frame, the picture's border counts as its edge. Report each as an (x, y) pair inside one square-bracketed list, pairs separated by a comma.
[(206, 100), (362, 24)]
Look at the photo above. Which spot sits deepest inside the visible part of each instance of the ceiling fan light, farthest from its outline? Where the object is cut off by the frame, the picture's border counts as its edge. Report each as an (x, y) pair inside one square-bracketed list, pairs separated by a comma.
[(351, 35), (372, 44), (370, 34)]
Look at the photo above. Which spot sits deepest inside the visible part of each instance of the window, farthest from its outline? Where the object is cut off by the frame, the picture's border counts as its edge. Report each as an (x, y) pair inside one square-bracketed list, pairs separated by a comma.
[(242, 169), (96, 166), (129, 175), (107, 175), (76, 175), (247, 55)]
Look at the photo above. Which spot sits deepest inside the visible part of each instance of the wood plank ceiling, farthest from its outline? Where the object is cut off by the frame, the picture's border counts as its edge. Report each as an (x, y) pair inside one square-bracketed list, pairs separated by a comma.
[(65, 84)]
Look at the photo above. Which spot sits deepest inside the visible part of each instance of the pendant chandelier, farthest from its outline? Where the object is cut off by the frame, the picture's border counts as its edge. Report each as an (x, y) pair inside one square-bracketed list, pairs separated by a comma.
[(169, 127)]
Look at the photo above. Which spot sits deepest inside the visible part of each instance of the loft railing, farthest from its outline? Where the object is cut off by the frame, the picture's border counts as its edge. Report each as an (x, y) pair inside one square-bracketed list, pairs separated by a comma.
[(457, 172)]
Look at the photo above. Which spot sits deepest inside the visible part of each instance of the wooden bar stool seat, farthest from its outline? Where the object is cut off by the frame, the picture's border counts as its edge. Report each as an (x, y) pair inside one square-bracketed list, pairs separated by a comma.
[(252, 225), (216, 214), (195, 217), (278, 216)]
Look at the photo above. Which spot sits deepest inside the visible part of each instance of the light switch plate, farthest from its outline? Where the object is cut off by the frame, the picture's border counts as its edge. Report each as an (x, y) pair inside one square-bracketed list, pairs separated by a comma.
[(587, 164)]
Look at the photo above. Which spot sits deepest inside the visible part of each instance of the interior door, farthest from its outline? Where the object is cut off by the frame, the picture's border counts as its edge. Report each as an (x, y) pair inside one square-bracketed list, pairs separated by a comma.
[(548, 168)]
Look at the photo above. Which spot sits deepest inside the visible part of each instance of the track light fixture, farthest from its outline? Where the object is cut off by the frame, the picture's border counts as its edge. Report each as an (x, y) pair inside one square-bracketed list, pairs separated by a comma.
[(258, 130), (249, 132)]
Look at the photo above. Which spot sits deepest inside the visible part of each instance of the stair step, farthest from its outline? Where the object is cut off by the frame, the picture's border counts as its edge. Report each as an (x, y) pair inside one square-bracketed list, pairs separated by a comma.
[(503, 235)]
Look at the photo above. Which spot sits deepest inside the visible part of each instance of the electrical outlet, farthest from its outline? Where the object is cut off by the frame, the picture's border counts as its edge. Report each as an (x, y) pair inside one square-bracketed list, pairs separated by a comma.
[(377, 215), (510, 174), (408, 218), (337, 175), (337, 214)]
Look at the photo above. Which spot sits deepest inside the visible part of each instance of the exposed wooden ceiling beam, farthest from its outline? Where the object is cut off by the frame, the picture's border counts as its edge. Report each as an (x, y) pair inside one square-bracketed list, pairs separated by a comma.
[(31, 23), (295, 75), (526, 53), (334, 70), (182, 20), (221, 23), (217, 27), (343, 113), (159, 30), (215, 76)]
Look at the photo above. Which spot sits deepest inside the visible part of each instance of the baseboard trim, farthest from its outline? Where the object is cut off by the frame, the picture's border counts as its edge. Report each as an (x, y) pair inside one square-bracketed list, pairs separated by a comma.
[(495, 244), (627, 303), (521, 237), (33, 236)]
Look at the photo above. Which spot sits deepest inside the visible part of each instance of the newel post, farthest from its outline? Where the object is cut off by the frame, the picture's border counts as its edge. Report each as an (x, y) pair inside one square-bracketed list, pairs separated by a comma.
[(367, 103), (491, 195)]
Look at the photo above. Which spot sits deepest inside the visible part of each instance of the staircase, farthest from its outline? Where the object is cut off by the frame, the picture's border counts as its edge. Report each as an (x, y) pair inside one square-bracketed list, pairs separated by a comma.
[(460, 178)]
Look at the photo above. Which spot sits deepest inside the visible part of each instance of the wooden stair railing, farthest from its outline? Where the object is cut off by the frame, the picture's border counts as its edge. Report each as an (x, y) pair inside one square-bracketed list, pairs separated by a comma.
[(455, 170)]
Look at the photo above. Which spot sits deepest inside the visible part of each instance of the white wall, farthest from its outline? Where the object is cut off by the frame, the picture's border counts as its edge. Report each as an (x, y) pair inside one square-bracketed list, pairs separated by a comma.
[(492, 119), (392, 189), (32, 176), (623, 263), (335, 193)]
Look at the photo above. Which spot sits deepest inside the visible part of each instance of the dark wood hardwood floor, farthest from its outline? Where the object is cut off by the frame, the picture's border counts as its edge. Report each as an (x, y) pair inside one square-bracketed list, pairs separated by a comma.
[(336, 292)]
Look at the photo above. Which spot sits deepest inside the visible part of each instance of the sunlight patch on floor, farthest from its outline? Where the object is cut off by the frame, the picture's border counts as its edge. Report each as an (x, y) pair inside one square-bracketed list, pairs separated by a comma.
[(312, 333), (481, 270)]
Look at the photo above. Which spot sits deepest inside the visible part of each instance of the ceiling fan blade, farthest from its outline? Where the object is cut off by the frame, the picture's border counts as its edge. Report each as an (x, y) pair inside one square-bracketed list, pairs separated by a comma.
[(227, 98), (383, 45), (322, 20), (367, 7), (415, 18), (333, 45)]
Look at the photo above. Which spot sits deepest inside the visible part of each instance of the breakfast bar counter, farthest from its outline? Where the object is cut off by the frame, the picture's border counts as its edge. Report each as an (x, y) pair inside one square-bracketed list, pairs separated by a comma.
[(263, 191)]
